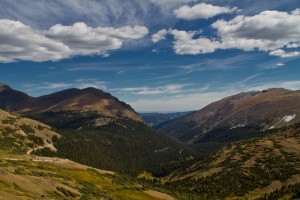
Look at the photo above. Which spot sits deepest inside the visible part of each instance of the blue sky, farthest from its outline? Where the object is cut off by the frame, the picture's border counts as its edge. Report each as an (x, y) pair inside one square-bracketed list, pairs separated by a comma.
[(156, 55)]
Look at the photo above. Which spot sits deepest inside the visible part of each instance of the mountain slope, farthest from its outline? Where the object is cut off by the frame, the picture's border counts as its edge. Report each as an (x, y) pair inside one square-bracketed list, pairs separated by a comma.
[(84, 100), (244, 170), (90, 120), (23, 135), (123, 145), (24, 176), (267, 109), (155, 119)]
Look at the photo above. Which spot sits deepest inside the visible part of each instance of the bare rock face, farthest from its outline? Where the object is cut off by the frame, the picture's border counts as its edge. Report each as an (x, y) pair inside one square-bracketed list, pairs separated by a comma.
[(269, 109)]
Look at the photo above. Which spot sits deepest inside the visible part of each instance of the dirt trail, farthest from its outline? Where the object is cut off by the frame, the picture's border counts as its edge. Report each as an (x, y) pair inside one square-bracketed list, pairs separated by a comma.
[(159, 195), (46, 145)]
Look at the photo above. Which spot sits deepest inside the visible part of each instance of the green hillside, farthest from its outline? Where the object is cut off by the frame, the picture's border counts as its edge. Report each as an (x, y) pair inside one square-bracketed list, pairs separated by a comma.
[(262, 167)]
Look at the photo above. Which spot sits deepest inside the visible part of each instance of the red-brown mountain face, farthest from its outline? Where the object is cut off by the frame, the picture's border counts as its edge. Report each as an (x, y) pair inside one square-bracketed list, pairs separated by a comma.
[(269, 109), (83, 100)]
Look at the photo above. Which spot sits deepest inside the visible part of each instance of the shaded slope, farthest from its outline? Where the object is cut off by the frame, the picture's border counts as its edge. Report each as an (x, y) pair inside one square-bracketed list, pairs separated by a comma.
[(123, 145)]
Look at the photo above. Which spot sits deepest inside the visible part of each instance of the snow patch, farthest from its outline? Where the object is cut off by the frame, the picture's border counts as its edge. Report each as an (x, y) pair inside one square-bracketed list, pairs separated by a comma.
[(237, 126), (272, 127), (289, 118)]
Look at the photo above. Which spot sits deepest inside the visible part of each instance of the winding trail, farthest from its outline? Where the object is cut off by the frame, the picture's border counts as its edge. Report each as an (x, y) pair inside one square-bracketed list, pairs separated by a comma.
[(46, 145), (159, 195)]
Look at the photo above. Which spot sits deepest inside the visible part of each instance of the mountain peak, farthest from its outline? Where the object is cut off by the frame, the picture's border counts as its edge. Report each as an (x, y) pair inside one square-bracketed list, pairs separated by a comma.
[(272, 108), (82, 100), (275, 90), (91, 89), (4, 87)]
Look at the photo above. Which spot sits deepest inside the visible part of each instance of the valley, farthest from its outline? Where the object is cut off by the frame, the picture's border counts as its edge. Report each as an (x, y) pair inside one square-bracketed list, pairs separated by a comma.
[(149, 100), (83, 152)]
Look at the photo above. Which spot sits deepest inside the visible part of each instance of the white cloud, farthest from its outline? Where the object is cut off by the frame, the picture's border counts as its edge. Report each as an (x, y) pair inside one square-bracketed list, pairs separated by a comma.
[(201, 11), (46, 86), (160, 35), (293, 45), (267, 31), (185, 44), (84, 40), (280, 64), (125, 32), (296, 12), (167, 89), (283, 54), (21, 42)]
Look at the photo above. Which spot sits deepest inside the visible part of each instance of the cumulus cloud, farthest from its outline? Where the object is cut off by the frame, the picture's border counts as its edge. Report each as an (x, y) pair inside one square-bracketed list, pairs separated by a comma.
[(185, 44), (21, 42), (293, 45), (269, 31), (283, 54), (296, 12), (201, 11), (86, 40), (160, 35)]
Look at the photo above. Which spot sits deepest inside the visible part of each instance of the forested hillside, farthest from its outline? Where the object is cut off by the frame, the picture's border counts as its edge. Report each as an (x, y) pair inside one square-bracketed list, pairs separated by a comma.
[(265, 167), (123, 145)]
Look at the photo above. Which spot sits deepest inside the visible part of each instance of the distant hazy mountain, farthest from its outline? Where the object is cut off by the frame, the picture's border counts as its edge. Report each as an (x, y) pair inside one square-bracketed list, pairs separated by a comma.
[(154, 119), (237, 115), (259, 132)]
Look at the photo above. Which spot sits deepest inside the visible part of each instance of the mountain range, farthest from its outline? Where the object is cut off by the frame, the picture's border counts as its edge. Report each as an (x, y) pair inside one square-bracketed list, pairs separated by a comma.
[(88, 99), (24, 175), (86, 144), (155, 119), (256, 110), (90, 120)]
